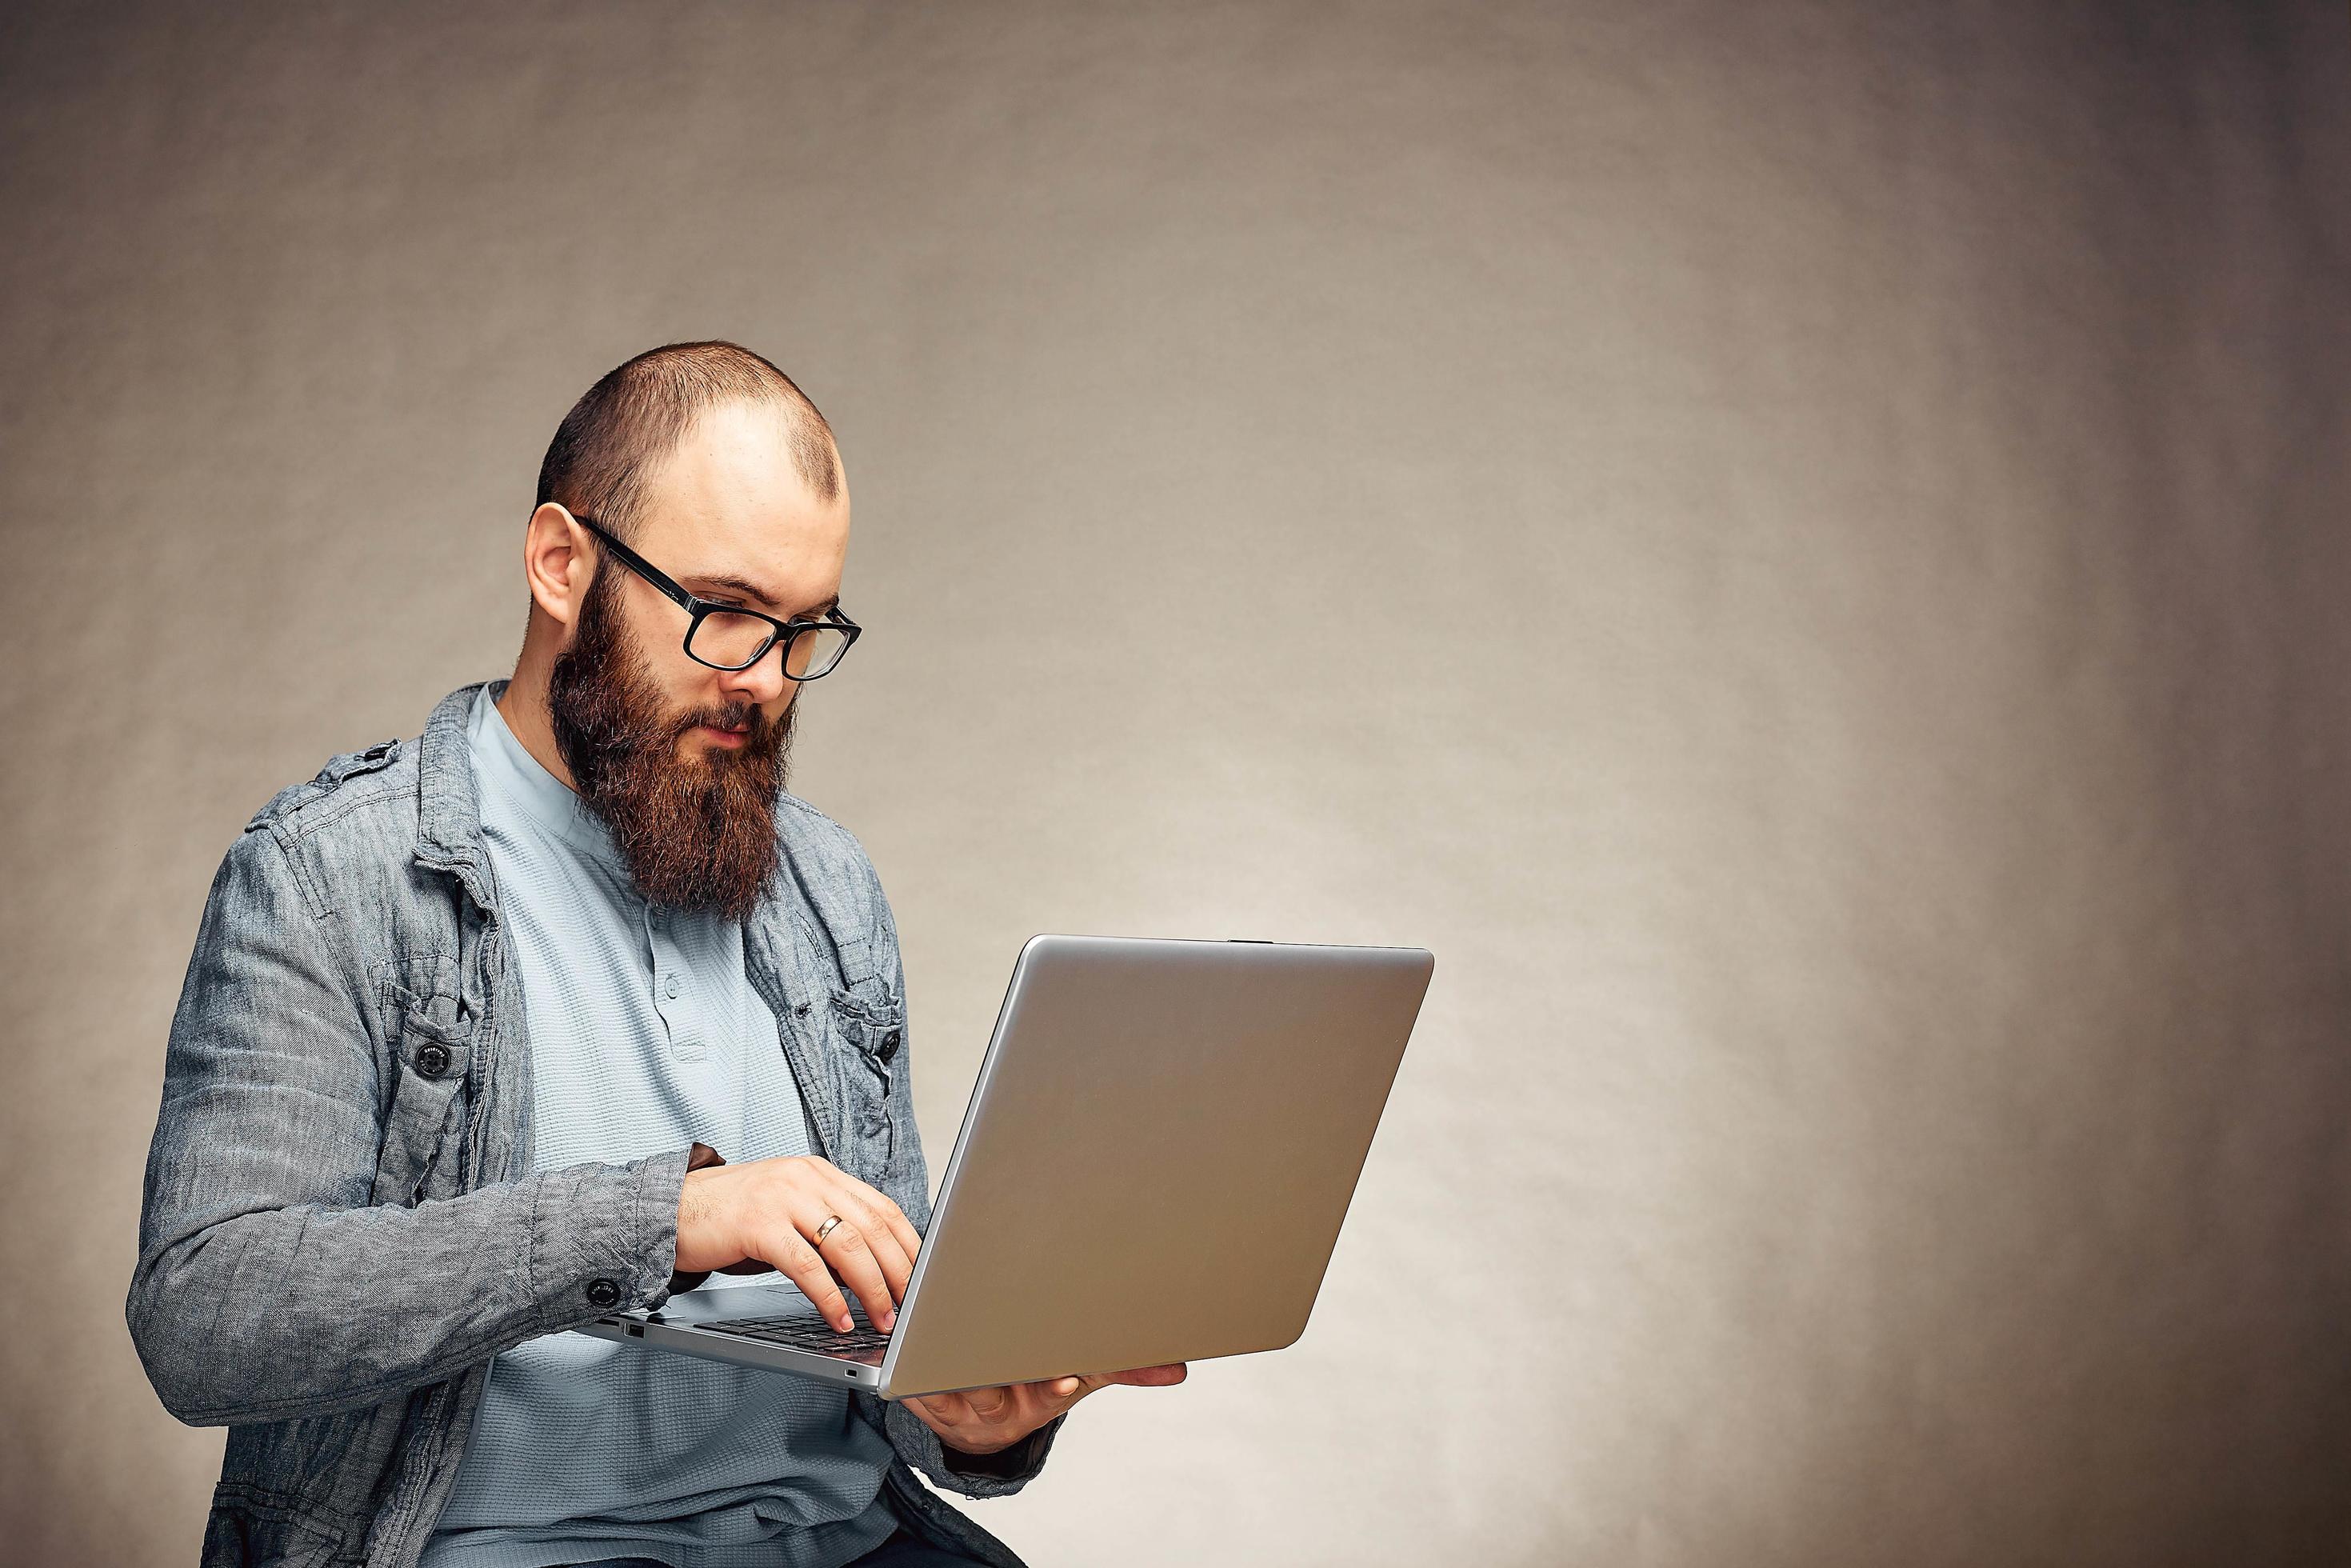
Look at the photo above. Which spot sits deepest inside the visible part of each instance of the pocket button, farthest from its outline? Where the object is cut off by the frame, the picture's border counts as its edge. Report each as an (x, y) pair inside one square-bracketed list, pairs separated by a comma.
[(432, 1060), (889, 1043)]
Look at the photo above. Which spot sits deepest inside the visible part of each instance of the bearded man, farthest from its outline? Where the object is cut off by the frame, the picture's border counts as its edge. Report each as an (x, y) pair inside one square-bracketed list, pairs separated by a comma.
[(551, 1013)]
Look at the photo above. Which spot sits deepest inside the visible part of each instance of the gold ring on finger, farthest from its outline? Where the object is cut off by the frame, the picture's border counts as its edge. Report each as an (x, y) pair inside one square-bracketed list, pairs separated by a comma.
[(826, 1228)]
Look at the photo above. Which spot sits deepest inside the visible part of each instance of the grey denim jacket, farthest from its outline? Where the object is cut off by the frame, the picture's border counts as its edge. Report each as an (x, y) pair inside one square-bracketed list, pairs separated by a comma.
[(341, 1224)]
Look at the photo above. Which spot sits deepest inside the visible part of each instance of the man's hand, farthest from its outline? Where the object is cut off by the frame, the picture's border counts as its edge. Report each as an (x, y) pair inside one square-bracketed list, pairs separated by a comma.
[(984, 1420), (769, 1212)]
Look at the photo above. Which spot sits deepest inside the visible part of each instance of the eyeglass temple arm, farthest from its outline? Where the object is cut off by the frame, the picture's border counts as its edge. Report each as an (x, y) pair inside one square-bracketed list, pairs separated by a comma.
[(640, 565), (687, 601)]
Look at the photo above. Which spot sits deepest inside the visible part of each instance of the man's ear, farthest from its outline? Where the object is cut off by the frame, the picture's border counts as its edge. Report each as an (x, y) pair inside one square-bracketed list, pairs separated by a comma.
[(558, 559)]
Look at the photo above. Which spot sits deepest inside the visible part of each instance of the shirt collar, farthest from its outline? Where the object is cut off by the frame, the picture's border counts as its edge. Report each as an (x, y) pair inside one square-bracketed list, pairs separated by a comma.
[(510, 774)]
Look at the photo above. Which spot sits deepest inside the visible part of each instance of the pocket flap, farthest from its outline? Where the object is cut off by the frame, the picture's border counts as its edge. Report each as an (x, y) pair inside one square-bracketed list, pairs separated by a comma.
[(877, 1028)]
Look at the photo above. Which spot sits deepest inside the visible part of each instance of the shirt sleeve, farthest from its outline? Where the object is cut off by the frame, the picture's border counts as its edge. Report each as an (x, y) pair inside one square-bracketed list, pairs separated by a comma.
[(268, 1285), (1002, 1474)]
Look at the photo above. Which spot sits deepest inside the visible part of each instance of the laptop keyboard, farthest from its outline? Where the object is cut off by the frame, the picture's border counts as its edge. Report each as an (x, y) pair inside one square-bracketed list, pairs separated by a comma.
[(806, 1332)]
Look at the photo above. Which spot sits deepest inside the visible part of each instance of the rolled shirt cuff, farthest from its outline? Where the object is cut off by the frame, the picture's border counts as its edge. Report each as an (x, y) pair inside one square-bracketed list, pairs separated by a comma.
[(604, 1238)]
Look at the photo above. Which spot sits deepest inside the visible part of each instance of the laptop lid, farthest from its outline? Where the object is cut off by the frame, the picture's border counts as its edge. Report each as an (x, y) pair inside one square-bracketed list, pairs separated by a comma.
[(1157, 1156)]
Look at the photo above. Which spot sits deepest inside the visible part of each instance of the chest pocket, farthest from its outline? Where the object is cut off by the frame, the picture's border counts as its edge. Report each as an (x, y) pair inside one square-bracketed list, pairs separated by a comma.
[(865, 1053), (432, 1059)]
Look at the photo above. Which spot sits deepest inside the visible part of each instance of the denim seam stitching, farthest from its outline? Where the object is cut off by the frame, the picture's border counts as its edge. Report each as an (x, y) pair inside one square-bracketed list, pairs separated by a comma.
[(314, 899), (302, 827)]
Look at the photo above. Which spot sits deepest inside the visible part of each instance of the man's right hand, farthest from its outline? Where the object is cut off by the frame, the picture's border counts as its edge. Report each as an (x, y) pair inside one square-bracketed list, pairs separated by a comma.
[(769, 1212)]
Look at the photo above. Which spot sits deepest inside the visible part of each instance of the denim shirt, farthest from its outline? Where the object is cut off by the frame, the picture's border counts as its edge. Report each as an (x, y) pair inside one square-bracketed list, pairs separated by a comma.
[(341, 1222)]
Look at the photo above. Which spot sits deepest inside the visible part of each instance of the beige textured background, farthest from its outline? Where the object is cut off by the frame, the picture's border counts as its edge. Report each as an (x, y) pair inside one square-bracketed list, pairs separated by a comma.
[(1799, 547)]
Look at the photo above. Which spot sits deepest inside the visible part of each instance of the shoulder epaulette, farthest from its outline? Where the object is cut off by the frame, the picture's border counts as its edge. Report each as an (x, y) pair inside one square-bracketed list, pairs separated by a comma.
[(339, 770)]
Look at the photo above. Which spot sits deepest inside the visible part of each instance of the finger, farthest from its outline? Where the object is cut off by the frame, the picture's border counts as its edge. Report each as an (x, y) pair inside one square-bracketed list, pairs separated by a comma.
[(834, 1192), (990, 1405), (787, 1249), (897, 1267), (852, 1258), (887, 1211), (943, 1413), (1166, 1376), (818, 1191)]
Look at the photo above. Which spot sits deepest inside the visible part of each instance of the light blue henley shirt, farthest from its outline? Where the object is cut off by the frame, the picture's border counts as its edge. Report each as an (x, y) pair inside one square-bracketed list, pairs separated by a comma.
[(645, 1035)]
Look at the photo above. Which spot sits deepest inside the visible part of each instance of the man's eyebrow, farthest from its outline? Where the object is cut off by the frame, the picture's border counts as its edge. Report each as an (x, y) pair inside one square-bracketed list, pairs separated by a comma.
[(749, 589)]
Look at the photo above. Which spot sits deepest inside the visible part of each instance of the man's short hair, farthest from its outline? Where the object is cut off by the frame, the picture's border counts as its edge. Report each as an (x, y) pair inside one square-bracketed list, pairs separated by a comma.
[(618, 433)]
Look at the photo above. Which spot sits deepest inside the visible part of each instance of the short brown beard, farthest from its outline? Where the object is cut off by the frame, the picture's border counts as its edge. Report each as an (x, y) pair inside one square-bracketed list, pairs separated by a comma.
[(696, 833)]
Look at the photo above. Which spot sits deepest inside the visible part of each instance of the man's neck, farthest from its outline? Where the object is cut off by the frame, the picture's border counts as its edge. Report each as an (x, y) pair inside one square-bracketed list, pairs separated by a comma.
[(523, 704)]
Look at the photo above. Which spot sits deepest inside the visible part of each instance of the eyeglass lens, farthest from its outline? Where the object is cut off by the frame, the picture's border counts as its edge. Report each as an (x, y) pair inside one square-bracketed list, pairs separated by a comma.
[(732, 641)]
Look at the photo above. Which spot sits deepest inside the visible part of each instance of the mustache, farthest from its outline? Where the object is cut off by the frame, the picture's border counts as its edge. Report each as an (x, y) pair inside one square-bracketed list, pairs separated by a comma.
[(749, 717), (632, 727)]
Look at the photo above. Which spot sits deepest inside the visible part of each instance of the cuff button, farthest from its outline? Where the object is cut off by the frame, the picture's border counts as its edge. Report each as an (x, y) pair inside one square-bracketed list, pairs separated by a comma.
[(604, 1293)]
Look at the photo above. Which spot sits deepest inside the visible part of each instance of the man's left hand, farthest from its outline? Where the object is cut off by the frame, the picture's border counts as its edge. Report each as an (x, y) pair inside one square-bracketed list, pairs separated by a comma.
[(985, 1420)]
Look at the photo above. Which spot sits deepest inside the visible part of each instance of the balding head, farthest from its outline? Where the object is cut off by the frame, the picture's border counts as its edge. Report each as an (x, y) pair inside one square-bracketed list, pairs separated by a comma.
[(616, 437)]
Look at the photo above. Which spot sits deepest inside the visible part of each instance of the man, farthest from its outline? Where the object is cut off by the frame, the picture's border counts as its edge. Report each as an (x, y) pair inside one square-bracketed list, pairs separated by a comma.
[(460, 1013)]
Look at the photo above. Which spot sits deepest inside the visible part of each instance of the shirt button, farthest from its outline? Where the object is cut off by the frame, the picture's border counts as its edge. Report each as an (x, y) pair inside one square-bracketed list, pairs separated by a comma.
[(890, 1044), (670, 988), (604, 1293), (433, 1059)]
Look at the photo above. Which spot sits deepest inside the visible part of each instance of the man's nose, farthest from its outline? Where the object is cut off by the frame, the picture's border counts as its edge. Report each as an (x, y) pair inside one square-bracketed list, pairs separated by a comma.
[(759, 683)]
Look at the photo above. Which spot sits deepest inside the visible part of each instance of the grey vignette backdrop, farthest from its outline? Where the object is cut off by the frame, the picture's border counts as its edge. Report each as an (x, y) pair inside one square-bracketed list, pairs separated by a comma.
[(1799, 548)]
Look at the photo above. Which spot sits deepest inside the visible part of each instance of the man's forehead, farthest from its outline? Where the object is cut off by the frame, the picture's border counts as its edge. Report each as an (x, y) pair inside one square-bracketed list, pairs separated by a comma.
[(731, 509), (784, 567)]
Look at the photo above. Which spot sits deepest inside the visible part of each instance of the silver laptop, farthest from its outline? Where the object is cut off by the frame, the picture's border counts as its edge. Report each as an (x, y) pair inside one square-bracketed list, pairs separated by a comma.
[(1154, 1167)]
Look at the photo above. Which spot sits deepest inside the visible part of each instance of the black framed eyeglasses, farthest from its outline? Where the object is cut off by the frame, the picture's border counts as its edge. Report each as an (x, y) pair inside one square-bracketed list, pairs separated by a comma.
[(729, 637)]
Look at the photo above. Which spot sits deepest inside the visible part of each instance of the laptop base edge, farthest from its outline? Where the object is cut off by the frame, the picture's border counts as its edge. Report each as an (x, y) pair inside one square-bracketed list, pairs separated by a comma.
[(688, 1339)]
